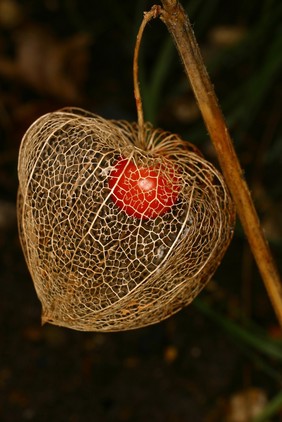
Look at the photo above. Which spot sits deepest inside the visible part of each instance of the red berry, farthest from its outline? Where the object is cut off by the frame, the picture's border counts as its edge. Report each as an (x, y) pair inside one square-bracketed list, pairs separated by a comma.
[(143, 192)]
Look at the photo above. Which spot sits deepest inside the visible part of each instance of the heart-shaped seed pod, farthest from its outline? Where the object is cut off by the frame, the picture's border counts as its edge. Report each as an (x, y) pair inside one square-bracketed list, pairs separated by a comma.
[(99, 261)]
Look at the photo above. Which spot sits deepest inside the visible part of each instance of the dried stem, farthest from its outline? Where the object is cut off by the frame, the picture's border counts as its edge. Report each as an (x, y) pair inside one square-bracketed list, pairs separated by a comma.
[(153, 13), (177, 22)]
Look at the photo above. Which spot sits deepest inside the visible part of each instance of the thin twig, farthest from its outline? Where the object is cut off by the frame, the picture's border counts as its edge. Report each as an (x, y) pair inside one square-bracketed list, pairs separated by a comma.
[(177, 22), (153, 13)]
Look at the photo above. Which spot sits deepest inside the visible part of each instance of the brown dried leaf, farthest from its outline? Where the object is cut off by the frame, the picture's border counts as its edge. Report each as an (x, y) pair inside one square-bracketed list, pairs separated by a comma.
[(245, 405), (47, 64)]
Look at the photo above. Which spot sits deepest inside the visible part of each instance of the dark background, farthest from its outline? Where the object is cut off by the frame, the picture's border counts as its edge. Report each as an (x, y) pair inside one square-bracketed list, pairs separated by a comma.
[(55, 53)]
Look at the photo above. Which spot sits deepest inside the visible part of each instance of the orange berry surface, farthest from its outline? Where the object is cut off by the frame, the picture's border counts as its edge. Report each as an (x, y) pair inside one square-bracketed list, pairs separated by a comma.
[(143, 192)]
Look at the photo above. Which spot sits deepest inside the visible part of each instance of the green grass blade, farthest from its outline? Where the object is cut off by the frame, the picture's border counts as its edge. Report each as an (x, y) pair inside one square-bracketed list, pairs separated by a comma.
[(251, 336), (271, 409)]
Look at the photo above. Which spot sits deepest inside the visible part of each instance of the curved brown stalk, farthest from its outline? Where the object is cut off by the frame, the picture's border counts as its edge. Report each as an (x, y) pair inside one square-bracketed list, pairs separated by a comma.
[(177, 22), (153, 13)]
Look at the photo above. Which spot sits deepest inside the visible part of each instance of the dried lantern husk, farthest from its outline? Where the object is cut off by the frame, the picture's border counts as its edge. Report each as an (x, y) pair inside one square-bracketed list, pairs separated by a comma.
[(94, 267)]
